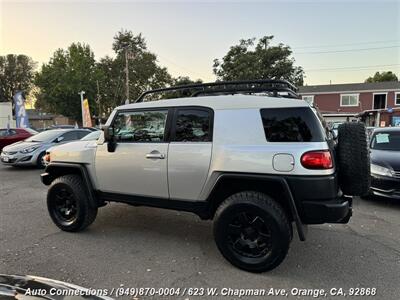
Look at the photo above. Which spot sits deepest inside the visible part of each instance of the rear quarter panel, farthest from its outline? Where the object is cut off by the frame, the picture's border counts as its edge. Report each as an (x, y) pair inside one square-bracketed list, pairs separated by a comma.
[(239, 145)]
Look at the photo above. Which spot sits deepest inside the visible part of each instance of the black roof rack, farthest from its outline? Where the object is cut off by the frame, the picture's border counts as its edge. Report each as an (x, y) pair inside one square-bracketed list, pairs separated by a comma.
[(272, 86)]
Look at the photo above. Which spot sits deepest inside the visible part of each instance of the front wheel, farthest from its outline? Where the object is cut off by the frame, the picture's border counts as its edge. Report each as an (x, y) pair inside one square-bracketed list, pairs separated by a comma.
[(68, 204), (252, 231)]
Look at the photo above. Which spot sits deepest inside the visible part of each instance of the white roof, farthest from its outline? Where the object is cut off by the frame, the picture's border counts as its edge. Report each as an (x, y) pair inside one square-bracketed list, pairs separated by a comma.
[(222, 102)]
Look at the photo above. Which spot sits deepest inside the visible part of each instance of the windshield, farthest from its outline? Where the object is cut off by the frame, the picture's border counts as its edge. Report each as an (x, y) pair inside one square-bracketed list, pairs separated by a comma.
[(44, 136), (93, 136), (386, 141)]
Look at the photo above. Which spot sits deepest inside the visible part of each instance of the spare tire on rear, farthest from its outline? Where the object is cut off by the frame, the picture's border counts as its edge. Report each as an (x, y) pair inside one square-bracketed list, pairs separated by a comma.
[(353, 159)]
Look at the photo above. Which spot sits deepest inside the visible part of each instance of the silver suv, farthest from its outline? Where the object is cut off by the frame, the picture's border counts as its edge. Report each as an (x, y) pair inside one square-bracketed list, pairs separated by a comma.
[(249, 155)]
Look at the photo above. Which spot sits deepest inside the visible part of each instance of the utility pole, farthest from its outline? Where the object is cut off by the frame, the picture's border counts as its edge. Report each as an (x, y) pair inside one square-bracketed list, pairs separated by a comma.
[(98, 101), (82, 93), (127, 75)]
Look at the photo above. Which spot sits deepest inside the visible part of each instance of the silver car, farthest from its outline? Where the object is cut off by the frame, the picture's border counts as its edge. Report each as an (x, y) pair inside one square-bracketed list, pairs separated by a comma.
[(30, 152)]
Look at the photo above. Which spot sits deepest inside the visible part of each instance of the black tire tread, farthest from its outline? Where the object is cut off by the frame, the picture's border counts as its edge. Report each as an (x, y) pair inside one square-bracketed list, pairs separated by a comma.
[(267, 203), (353, 159)]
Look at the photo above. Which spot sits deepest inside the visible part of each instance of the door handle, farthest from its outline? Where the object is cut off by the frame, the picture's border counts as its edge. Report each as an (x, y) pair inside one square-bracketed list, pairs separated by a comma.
[(155, 155)]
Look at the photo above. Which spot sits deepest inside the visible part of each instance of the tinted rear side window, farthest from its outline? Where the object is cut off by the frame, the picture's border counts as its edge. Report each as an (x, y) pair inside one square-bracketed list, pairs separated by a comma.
[(193, 125), (296, 124)]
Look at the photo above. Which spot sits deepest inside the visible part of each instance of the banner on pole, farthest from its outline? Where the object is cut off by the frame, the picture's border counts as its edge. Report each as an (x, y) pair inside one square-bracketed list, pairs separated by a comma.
[(87, 120), (21, 116)]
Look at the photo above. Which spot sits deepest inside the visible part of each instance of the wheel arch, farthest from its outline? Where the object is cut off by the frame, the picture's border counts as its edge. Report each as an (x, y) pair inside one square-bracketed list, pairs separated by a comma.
[(55, 170), (274, 186)]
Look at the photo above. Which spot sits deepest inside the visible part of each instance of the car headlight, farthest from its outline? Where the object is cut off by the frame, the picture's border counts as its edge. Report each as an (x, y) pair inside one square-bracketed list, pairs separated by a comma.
[(379, 170), (30, 149)]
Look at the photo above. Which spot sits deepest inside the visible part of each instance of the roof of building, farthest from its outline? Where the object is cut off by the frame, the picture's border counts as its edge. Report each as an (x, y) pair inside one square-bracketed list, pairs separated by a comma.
[(350, 87), (221, 102)]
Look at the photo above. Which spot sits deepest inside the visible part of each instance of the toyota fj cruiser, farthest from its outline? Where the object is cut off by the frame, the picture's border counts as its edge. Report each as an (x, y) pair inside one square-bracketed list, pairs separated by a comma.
[(250, 155)]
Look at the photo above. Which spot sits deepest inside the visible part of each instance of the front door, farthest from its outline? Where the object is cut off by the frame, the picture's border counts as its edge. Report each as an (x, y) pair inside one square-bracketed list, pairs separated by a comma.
[(138, 166)]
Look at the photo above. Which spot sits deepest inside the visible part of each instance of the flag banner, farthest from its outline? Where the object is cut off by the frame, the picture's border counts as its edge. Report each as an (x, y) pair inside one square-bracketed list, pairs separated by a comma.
[(87, 120), (21, 116)]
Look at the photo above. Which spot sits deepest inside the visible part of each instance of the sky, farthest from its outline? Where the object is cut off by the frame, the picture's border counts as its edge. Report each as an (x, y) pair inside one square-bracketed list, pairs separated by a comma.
[(334, 41)]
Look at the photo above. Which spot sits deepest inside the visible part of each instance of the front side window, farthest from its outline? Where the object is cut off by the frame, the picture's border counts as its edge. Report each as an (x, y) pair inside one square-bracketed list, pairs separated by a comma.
[(349, 100), (192, 125), (297, 124), (70, 136), (140, 126)]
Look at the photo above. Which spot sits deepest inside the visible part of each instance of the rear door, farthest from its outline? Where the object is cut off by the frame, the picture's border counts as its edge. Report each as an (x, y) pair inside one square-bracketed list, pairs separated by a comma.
[(189, 153)]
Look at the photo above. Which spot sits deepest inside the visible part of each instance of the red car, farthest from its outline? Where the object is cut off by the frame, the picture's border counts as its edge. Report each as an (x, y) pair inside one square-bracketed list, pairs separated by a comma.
[(13, 135)]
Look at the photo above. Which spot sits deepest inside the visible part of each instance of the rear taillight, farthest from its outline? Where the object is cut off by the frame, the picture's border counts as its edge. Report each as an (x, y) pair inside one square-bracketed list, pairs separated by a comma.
[(321, 159)]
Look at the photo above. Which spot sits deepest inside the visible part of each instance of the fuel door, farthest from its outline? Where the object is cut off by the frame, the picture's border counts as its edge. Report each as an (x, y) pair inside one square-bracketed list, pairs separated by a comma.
[(283, 162)]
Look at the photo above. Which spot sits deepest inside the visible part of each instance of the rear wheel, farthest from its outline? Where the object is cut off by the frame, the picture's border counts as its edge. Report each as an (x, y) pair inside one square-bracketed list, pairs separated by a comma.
[(68, 204), (252, 231)]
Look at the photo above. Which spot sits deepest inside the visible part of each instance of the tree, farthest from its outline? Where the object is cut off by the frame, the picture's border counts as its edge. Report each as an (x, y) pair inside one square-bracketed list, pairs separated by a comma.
[(182, 81), (384, 76), (144, 72), (248, 61), (59, 82), (16, 73)]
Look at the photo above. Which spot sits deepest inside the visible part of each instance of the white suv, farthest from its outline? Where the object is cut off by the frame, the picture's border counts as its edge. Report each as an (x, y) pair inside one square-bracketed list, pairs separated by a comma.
[(255, 164)]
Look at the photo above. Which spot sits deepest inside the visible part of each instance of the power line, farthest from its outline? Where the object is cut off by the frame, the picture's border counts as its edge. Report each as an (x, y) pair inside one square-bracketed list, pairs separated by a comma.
[(180, 67), (349, 50), (351, 68), (349, 44)]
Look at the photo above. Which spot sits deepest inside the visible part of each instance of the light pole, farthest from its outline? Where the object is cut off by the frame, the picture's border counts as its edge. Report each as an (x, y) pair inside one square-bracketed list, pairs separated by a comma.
[(82, 93)]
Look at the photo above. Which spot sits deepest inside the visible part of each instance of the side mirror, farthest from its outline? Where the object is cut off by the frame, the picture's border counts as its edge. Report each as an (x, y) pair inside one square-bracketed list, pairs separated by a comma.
[(109, 138), (59, 139), (108, 133)]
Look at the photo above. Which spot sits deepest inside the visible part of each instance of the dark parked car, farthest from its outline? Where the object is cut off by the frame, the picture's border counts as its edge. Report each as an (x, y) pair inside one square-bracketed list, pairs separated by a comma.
[(13, 135), (385, 162)]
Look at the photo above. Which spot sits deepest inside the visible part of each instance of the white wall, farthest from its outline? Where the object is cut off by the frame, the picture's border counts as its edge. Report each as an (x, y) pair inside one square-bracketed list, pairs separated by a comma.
[(5, 111)]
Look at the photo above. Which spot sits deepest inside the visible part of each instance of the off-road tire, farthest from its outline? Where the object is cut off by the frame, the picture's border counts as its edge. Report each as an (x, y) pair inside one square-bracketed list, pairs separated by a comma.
[(273, 217), (85, 212), (353, 159)]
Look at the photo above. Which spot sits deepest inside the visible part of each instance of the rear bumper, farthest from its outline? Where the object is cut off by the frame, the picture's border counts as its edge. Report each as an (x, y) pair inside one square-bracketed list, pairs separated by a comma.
[(334, 211), (319, 199)]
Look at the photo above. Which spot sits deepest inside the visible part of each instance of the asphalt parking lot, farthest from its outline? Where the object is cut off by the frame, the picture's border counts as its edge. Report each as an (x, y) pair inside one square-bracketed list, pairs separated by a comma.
[(144, 247)]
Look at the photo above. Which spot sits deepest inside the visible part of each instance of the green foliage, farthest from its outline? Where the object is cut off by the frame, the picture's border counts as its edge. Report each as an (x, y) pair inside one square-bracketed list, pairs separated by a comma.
[(68, 72), (16, 73), (181, 81), (384, 76), (248, 61), (144, 72)]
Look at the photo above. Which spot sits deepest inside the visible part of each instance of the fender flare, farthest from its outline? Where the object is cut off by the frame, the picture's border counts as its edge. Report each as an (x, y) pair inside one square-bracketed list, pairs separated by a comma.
[(57, 169), (301, 228)]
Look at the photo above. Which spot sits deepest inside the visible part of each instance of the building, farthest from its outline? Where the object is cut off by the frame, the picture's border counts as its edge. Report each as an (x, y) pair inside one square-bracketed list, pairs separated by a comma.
[(376, 103), (39, 120), (6, 115)]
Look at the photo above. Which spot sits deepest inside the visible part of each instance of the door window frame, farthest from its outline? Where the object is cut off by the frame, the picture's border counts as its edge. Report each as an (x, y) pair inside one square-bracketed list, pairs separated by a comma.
[(167, 128), (193, 107)]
